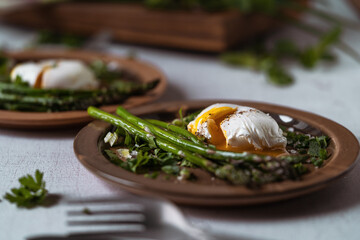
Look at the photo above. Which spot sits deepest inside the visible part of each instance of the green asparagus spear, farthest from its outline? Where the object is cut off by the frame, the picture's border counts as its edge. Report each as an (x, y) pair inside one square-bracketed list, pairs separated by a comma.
[(178, 130), (151, 139), (18, 97)]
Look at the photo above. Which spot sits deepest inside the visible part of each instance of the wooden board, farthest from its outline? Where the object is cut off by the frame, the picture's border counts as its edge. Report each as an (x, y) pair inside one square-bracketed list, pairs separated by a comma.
[(132, 23)]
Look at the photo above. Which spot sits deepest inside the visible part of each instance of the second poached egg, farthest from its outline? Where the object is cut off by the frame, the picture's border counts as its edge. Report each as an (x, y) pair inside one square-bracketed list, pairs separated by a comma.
[(59, 74)]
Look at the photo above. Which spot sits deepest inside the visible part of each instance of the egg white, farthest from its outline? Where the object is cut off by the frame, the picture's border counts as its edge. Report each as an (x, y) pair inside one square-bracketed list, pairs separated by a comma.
[(56, 74), (243, 128)]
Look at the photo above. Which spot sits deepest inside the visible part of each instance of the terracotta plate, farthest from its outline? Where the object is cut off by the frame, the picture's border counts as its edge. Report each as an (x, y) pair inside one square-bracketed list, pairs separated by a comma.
[(32, 120), (344, 149)]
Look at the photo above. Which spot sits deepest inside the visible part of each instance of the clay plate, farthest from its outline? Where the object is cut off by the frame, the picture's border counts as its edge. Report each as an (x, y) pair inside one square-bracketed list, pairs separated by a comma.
[(32, 120), (344, 149)]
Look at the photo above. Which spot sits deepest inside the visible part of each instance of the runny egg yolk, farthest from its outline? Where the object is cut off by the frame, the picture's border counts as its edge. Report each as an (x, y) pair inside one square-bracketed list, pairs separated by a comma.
[(38, 82), (214, 117)]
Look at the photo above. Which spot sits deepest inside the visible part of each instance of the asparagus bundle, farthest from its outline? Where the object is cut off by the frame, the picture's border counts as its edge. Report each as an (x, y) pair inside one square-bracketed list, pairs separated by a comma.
[(24, 98), (237, 168)]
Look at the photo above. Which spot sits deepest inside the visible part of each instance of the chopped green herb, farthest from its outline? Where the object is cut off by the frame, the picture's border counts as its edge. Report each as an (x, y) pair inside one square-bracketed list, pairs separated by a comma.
[(152, 175), (104, 72), (19, 82), (314, 146), (311, 56), (86, 211), (69, 40), (31, 192), (4, 68), (171, 169), (270, 61), (185, 174)]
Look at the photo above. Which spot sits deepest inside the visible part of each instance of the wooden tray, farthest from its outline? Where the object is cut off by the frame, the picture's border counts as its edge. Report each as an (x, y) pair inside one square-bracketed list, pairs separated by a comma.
[(344, 150), (32, 120), (356, 5), (132, 23)]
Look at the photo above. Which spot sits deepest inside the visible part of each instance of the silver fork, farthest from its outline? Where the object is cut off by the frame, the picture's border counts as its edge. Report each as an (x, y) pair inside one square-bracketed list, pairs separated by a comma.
[(130, 218)]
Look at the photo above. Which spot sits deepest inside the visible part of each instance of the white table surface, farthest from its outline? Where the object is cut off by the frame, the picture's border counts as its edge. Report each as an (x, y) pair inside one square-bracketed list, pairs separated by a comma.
[(332, 213)]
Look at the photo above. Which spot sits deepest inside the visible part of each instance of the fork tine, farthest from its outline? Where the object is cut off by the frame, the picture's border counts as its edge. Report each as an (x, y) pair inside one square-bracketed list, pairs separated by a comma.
[(88, 223), (104, 215), (128, 199), (99, 212)]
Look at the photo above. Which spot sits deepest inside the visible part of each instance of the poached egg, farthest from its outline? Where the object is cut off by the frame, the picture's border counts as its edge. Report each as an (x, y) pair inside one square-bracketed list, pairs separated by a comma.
[(237, 128), (59, 74)]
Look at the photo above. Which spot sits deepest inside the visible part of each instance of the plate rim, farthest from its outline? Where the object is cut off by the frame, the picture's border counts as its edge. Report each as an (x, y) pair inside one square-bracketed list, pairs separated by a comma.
[(36, 120), (275, 190)]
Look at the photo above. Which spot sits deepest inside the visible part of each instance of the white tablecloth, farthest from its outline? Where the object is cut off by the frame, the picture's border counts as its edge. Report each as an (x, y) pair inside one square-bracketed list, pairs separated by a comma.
[(333, 92)]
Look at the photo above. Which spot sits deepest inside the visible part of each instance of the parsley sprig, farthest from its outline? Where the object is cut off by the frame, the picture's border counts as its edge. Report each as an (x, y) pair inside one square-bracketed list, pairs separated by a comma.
[(31, 192), (66, 39)]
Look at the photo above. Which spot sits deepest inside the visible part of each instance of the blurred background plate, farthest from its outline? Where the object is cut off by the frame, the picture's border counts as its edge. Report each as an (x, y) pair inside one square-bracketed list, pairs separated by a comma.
[(344, 150), (356, 4), (34, 120)]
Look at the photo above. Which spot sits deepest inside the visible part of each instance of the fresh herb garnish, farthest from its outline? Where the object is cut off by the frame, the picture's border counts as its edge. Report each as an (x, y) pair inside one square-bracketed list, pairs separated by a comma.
[(184, 121), (86, 211), (315, 147), (4, 68), (152, 175), (171, 169), (66, 39), (137, 156), (271, 61), (106, 72), (31, 192)]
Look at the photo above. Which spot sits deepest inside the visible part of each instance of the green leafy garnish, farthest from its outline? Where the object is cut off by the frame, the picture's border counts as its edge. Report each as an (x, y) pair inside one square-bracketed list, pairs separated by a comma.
[(271, 61), (104, 72), (146, 156), (4, 68), (152, 175), (315, 147), (184, 121), (69, 40), (31, 192), (20, 82), (311, 56), (171, 169), (181, 118), (267, 64), (86, 211)]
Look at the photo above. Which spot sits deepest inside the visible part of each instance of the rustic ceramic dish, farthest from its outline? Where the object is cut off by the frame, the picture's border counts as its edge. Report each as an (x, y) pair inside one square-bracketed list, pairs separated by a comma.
[(356, 5), (32, 120), (344, 149)]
